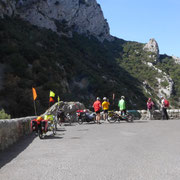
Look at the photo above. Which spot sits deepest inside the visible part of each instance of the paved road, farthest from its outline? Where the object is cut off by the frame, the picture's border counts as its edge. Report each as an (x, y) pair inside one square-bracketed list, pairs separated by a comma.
[(145, 150)]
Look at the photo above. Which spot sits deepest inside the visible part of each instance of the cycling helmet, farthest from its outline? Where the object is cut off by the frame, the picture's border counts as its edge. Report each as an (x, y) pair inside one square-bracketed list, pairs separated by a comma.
[(97, 98), (104, 98), (122, 97)]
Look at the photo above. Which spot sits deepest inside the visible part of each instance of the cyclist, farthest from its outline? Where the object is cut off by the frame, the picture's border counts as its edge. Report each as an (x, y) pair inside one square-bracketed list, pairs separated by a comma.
[(122, 105), (105, 107), (97, 108), (164, 106), (150, 106)]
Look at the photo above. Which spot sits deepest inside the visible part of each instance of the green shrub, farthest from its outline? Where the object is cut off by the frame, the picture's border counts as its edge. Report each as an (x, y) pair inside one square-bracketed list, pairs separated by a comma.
[(164, 83), (3, 115)]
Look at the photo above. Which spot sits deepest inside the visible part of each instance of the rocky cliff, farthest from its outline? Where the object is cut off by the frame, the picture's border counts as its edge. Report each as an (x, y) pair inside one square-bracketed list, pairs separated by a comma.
[(152, 46), (176, 59), (61, 16)]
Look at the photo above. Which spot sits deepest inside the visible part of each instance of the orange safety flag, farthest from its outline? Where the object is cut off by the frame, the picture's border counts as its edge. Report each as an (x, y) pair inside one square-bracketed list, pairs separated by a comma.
[(34, 93), (51, 99)]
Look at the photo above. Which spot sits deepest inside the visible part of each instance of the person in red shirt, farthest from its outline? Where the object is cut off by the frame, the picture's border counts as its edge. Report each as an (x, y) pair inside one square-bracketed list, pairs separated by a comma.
[(97, 108)]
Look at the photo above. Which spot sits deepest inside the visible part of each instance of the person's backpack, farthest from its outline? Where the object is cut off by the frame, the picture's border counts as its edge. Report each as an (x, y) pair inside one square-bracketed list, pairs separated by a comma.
[(166, 103)]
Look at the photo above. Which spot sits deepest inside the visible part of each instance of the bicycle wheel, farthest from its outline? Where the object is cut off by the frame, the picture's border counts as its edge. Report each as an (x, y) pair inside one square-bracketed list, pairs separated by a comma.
[(130, 118), (117, 118), (40, 134), (80, 120), (59, 121), (55, 122), (112, 119), (54, 128), (70, 121)]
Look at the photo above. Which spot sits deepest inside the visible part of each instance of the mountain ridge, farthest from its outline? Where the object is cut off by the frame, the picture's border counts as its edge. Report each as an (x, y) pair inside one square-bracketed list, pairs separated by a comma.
[(79, 68)]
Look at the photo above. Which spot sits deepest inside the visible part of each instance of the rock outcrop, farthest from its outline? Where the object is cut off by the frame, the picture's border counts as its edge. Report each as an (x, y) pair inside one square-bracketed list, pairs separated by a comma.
[(152, 46), (61, 16), (67, 107), (176, 59)]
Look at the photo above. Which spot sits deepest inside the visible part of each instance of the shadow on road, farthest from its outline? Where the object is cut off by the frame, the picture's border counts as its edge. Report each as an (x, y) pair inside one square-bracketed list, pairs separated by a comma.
[(141, 121), (86, 123), (10, 153), (53, 136), (69, 124), (61, 129)]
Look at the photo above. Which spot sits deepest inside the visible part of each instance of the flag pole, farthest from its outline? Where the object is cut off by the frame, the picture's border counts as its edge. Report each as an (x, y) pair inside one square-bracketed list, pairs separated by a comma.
[(58, 101), (49, 98), (113, 100), (35, 108)]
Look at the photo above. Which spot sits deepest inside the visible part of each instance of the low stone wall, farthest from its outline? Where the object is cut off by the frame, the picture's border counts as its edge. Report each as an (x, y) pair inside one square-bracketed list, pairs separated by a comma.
[(143, 115), (11, 130)]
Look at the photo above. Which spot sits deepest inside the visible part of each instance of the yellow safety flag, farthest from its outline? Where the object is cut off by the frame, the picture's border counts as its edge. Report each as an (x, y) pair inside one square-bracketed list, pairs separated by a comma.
[(51, 94), (34, 93)]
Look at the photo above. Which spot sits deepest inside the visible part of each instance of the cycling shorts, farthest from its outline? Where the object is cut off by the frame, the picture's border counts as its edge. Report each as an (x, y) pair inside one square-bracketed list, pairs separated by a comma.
[(98, 112)]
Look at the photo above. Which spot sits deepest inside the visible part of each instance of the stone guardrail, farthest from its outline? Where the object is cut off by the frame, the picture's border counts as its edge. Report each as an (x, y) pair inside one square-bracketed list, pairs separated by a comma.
[(11, 130), (157, 114)]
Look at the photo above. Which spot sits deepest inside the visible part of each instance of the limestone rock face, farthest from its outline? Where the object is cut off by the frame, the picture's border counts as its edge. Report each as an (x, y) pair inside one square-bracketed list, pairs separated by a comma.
[(152, 46), (176, 59), (61, 16), (67, 107)]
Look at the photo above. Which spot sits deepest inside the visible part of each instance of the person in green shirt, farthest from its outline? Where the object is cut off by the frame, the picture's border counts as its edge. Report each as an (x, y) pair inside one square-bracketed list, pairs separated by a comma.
[(122, 105)]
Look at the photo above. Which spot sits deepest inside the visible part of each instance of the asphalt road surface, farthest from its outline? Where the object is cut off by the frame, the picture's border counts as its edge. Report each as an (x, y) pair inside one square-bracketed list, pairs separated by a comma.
[(144, 150)]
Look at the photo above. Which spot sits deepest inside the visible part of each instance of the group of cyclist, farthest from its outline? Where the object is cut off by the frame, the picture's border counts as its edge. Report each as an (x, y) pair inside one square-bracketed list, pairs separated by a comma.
[(164, 105), (105, 107)]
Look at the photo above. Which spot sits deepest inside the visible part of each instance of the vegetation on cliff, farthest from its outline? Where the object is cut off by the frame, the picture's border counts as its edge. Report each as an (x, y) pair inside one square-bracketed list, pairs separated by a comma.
[(76, 69), (168, 65)]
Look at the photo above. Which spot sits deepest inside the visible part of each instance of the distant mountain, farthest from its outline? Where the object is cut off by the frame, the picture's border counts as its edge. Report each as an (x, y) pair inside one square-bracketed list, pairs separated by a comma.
[(78, 62)]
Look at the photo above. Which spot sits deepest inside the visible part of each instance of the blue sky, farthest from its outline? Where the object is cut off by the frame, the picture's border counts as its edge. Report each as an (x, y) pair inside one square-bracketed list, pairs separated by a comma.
[(140, 20)]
